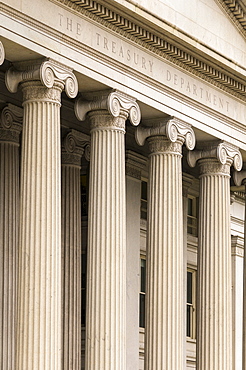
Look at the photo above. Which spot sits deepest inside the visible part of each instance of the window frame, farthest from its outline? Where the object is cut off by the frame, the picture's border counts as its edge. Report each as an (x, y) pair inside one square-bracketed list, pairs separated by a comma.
[(191, 305)]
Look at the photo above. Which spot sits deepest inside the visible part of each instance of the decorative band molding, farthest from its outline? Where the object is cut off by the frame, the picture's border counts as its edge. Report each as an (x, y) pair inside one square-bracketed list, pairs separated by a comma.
[(157, 44)]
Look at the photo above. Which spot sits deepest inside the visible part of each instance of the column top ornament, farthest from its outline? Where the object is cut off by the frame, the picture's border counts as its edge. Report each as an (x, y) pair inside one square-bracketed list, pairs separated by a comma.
[(239, 178), (11, 123), (75, 144), (46, 71), (224, 152), (171, 127), (11, 117), (2, 53), (114, 101)]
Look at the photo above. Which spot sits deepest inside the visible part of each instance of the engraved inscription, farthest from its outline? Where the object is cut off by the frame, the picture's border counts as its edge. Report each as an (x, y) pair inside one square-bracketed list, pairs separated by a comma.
[(117, 48), (124, 53)]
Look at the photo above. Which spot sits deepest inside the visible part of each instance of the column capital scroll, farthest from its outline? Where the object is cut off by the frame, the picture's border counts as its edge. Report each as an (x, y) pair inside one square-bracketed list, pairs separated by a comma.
[(224, 152), (75, 144), (48, 72), (116, 102), (239, 178), (11, 123), (174, 130), (2, 53)]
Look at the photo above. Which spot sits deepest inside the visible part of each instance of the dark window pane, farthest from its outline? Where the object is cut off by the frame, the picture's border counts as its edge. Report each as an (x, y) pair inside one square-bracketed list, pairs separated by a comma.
[(188, 323), (143, 275), (189, 287), (144, 190), (190, 207), (142, 311)]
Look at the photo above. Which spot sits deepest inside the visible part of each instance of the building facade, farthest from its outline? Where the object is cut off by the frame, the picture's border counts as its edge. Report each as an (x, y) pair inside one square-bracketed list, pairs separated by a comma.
[(122, 150)]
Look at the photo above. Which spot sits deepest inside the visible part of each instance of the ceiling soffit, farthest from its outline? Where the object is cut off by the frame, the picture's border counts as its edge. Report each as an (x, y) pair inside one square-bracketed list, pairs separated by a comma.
[(162, 46)]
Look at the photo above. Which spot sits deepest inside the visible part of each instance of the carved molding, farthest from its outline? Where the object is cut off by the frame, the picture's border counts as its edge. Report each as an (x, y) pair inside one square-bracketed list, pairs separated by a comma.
[(136, 164), (11, 123), (172, 128), (115, 102), (157, 44), (237, 246), (239, 178), (224, 153), (74, 145), (2, 54), (236, 10), (48, 72)]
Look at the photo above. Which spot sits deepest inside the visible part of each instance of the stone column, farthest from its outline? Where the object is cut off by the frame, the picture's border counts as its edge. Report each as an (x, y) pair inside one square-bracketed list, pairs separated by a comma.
[(164, 334), (2, 54), (39, 287), (136, 164), (106, 270), (10, 127), (72, 150), (240, 179), (214, 306)]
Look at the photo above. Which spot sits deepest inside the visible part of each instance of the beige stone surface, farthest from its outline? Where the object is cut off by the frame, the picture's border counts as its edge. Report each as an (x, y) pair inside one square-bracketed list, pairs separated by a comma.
[(38, 331), (106, 272), (214, 300), (10, 127), (164, 339)]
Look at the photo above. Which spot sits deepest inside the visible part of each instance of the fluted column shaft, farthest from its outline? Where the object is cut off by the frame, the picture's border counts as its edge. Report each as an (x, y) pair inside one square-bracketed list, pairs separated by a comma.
[(105, 315), (164, 293), (214, 310), (71, 254), (9, 224), (39, 283), (39, 303)]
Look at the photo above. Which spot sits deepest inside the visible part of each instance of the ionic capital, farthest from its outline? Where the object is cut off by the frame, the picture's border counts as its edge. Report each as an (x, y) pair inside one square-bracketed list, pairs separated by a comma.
[(2, 53), (74, 145), (225, 153), (115, 102), (48, 72), (11, 123), (172, 128), (239, 178)]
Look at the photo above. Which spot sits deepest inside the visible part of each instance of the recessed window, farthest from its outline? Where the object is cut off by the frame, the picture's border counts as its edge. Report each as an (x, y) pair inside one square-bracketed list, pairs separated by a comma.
[(144, 200), (83, 288), (191, 299), (142, 293), (192, 215), (84, 195)]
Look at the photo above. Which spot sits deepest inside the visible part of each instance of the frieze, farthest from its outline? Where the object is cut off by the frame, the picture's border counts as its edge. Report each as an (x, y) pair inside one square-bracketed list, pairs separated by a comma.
[(133, 172), (211, 166), (34, 90), (160, 144), (141, 36)]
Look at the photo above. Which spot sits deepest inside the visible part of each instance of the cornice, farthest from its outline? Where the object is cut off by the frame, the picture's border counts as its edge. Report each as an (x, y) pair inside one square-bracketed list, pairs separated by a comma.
[(159, 45), (236, 10)]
